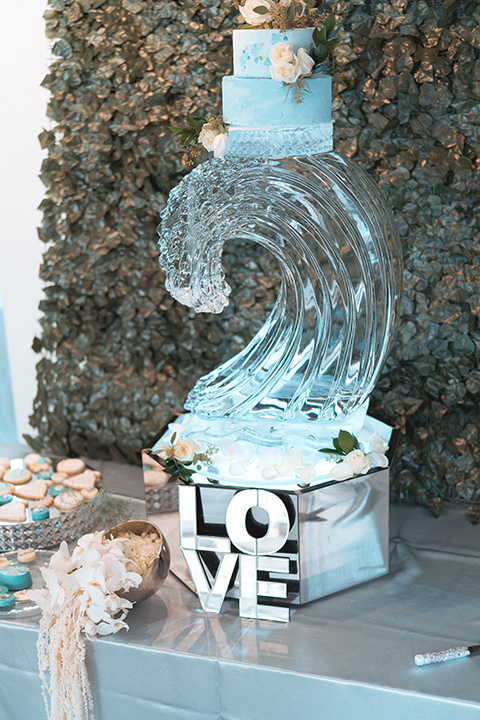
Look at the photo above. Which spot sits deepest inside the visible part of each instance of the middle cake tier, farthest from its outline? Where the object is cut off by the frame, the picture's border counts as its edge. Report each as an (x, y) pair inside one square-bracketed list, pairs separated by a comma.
[(264, 103)]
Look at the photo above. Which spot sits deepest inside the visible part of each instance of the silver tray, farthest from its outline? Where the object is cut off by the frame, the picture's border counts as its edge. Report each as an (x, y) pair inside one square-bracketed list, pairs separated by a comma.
[(44, 533)]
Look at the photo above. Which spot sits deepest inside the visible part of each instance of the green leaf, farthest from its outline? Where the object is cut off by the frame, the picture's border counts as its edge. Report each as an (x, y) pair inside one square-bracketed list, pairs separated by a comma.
[(356, 444), (173, 438), (329, 24), (261, 10), (191, 121), (346, 441), (320, 54), (322, 36), (336, 445), (332, 44), (316, 36), (331, 451)]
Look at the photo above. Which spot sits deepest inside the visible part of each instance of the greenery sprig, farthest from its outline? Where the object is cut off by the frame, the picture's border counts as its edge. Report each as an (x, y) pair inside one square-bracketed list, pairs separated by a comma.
[(184, 470), (189, 135), (342, 445), (325, 40)]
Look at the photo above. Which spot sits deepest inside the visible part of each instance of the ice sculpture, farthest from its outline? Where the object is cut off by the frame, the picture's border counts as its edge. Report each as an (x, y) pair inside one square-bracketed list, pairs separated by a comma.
[(317, 357)]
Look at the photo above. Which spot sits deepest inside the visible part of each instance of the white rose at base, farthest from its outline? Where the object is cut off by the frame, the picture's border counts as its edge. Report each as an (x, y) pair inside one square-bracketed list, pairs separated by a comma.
[(207, 135), (378, 459), (341, 471), (377, 444), (281, 53), (220, 144), (358, 461), (285, 72), (304, 62), (253, 18), (183, 451)]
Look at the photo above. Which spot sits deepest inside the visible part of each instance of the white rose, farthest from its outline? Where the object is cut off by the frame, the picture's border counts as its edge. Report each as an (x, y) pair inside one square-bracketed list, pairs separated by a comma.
[(207, 135), (285, 72), (254, 18), (341, 471), (307, 472), (183, 451), (377, 444), (358, 461), (304, 62), (220, 144), (378, 459), (282, 53)]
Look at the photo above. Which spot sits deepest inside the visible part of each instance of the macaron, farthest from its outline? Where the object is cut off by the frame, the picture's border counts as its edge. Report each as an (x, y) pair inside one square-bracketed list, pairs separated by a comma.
[(55, 490), (15, 577), (6, 601), (40, 513), (27, 555)]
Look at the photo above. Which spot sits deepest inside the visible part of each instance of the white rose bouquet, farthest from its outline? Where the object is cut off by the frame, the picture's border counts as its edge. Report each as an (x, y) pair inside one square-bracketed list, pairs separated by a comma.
[(351, 459), (211, 133), (288, 67)]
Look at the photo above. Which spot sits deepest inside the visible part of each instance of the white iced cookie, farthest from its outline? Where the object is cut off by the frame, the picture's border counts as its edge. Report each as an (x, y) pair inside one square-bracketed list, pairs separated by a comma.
[(17, 476), (13, 512), (26, 556), (82, 481), (58, 478), (68, 501), (71, 466), (155, 478), (89, 494), (44, 502), (35, 490), (21, 596)]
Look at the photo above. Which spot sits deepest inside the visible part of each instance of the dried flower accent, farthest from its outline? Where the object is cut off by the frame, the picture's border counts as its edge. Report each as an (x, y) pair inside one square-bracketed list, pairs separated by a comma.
[(281, 14), (181, 459)]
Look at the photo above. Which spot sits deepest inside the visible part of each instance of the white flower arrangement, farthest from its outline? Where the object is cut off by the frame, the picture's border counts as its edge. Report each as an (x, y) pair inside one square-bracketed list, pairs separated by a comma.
[(182, 458), (288, 67), (81, 598), (351, 459)]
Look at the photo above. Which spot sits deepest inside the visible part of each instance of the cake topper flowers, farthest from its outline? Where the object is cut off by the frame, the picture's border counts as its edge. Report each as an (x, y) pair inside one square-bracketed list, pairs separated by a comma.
[(210, 132), (182, 458)]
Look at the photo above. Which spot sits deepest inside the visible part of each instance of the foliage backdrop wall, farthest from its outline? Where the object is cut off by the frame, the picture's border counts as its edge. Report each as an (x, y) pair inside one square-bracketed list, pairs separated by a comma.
[(117, 353)]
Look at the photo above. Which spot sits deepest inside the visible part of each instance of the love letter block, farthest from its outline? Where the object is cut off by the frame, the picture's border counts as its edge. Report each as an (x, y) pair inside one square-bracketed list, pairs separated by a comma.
[(275, 548)]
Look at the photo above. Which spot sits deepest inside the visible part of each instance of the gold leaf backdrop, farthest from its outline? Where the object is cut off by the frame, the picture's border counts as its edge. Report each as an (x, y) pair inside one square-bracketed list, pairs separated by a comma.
[(117, 354)]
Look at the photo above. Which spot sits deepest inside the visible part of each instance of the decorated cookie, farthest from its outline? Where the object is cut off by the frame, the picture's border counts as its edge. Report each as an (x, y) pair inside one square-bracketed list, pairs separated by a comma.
[(98, 475), (32, 458), (16, 577), (4, 499), (26, 556), (59, 478), (89, 494), (45, 475), (68, 501), (13, 512), (35, 490), (71, 466), (40, 513), (4, 561), (17, 476), (6, 488), (4, 463), (47, 501), (155, 478), (21, 596), (85, 480)]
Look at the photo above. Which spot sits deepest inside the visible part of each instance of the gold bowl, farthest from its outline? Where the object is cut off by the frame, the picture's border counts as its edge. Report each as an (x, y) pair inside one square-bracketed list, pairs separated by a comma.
[(157, 572)]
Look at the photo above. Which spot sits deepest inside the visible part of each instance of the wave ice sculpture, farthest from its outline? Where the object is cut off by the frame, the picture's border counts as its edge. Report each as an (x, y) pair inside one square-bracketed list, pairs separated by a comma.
[(317, 357)]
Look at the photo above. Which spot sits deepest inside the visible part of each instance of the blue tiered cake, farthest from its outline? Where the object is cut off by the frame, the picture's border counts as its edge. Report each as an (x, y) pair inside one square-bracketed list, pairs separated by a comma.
[(267, 113)]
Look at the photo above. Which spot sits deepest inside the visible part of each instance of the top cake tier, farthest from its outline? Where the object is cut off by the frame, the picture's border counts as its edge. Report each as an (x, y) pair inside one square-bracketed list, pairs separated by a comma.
[(251, 49)]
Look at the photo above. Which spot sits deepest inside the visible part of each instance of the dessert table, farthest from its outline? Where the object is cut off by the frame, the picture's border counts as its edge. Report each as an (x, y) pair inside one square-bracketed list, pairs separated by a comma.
[(347, 656)]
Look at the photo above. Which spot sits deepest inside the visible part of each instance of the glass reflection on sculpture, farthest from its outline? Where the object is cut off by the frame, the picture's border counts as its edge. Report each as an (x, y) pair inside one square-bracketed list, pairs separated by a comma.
[(310, 369)]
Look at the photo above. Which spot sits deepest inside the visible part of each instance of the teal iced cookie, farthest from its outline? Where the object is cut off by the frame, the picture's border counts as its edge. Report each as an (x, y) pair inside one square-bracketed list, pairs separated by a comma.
[(45, 475), (4, 499)]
